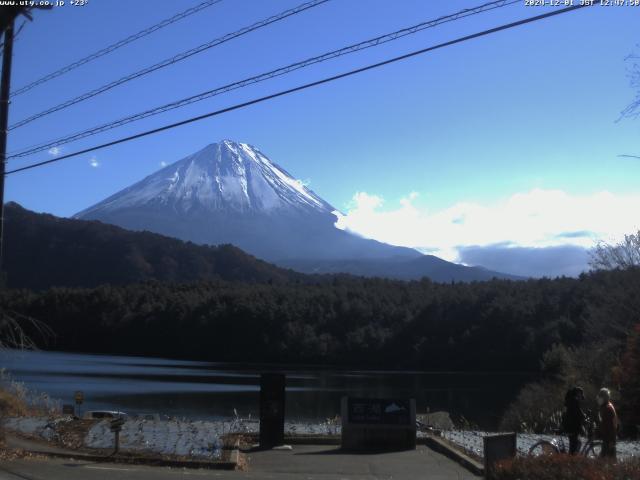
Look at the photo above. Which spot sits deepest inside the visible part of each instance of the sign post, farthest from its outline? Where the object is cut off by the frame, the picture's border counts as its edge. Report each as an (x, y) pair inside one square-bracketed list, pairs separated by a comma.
[(116, 427), (79, 398), (272, 389)]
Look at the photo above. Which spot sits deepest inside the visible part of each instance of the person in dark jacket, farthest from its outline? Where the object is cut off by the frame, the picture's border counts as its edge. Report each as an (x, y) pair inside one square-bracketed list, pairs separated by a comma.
[(608, 424), (574, 418)]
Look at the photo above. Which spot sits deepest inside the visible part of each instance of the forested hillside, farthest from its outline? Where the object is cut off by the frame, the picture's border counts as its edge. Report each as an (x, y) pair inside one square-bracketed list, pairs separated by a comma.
[(43, 251)]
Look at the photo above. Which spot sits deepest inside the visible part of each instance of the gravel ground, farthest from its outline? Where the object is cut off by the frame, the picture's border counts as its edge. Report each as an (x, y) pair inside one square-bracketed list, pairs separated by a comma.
[(36, 426), (193, 438), (197, 439), (330, 427)]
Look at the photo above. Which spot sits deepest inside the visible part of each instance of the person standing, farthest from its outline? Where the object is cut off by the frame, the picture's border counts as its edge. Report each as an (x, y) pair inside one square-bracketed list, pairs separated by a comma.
[(608, 424), (574, 418)]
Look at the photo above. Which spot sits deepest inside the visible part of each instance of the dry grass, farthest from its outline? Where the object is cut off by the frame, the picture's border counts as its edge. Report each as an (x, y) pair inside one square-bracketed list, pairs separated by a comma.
[(16, 400), (21, 401), (565, 467), (18, 453), (10, 405)]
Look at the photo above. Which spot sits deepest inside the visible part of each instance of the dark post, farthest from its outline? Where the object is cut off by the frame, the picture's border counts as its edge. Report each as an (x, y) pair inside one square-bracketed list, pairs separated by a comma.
[(117, 449), (5, 86), (272, 387), (116, 426), (79, 398)]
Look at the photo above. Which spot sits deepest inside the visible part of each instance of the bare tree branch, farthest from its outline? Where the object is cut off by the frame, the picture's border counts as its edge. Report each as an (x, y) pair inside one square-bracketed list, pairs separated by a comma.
[(633, 73), (13, 328), (623, 255)]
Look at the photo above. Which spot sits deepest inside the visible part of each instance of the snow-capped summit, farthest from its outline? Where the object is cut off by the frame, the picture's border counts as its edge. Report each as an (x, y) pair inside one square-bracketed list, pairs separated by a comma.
[(231, 192), (223, 176)]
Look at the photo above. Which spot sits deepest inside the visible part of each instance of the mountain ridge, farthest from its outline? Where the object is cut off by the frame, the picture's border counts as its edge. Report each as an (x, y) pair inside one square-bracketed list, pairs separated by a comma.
[(230, 192), (430, 266)]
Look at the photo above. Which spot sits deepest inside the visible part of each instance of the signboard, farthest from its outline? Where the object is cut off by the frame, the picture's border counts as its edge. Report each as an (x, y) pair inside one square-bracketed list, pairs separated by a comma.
[(68, 410), (375, 411), (116, 424), (79, 397), (378, 424), (497, 448), (272, 387)]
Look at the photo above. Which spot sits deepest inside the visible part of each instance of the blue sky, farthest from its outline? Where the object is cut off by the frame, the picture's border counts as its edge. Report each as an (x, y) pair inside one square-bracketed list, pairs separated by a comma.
[(525, 117)]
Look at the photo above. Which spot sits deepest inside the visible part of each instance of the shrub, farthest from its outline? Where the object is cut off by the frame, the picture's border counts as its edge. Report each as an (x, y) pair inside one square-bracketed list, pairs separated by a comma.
[(536, 410), (565, 467), (17, 400), (11, 405)]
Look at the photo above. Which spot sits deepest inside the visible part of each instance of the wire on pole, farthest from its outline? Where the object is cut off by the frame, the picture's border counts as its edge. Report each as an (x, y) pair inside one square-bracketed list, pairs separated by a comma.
[(306, 86), (115, 46), (265, 76), (169, 61)]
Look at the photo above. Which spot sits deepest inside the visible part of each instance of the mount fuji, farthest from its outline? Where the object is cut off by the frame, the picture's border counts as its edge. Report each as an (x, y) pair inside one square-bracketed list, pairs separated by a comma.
[(231, 192)]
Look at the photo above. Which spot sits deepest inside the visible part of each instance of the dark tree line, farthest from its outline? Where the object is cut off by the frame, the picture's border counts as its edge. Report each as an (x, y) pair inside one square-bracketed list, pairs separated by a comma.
[(484, 326)]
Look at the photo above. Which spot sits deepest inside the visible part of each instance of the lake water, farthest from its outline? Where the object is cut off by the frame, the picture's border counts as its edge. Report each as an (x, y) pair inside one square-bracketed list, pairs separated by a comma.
[(203, 390)]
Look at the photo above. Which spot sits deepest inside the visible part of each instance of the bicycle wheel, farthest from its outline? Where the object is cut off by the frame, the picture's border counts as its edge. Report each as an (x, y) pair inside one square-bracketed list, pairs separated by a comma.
[(543, 447), (593, 450)]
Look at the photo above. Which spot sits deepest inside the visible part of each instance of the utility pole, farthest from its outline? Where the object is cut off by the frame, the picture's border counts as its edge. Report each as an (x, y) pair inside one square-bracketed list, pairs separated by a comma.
[(8, 14), (5, 87)]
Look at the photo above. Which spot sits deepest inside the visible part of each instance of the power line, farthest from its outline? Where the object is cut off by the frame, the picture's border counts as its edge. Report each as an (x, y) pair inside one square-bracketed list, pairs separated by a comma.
[(170, 61), (116, 46), (305, 86), (265, 76)]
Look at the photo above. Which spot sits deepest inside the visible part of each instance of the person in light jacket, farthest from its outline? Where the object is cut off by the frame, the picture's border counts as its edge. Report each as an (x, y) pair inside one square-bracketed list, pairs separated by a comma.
[(608, 424)]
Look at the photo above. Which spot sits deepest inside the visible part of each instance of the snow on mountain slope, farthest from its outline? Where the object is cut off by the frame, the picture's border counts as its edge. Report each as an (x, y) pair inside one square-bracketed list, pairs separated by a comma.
[(225, 176)]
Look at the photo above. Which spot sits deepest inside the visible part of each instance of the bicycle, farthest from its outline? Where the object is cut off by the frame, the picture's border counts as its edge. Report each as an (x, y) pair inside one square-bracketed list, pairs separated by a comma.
[(591, 448)]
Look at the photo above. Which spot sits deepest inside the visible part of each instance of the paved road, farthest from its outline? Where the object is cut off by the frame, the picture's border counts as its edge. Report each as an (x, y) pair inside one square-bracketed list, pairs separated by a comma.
[(303, 462)]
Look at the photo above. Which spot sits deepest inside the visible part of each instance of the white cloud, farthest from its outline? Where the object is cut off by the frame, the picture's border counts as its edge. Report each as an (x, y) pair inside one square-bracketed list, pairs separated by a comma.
[(55, 151), (163, 164), (534, 219), (93, 161)]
